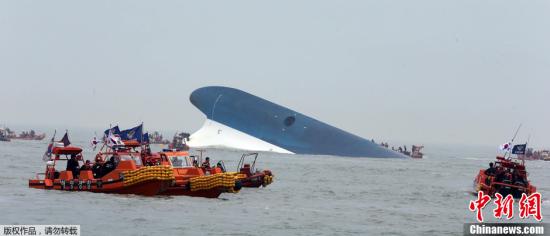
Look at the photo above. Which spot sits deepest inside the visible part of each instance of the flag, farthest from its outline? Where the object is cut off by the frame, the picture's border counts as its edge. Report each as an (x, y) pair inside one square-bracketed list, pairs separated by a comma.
[(48, 154), (114, 130), (519, 149), (113, 139), (95, 142), (135, 133), (505, 146), (65, 140), (145, 138)]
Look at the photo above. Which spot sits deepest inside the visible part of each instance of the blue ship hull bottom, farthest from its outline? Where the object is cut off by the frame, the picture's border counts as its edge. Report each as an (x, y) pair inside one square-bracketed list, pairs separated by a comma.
[(279, 126)]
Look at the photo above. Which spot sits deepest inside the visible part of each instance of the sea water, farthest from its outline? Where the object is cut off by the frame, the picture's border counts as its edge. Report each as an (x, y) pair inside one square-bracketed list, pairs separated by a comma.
[(311, 195)]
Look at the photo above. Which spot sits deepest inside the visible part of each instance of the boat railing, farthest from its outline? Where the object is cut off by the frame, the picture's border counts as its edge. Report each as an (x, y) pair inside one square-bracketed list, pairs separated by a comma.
[(509, 185)]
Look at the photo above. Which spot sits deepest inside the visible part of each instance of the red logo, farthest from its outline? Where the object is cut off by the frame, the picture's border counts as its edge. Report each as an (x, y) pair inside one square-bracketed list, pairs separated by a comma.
[(505, 206), (528, 206), (479, 204)]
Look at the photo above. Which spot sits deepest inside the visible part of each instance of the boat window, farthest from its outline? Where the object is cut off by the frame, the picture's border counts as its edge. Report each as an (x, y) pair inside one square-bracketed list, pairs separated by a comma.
[(136, 159), (179, 161), (289, 120)]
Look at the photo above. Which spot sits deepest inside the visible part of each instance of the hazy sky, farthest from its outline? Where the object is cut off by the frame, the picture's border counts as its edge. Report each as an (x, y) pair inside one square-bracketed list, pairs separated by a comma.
[(421, 71)]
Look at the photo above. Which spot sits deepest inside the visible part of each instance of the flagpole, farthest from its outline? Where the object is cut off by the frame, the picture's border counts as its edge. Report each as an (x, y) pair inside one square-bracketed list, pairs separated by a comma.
[(48, 155), (512, 141)]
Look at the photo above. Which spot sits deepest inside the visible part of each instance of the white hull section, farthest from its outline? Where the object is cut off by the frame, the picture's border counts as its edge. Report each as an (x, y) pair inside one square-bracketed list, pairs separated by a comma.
[(214, 134)]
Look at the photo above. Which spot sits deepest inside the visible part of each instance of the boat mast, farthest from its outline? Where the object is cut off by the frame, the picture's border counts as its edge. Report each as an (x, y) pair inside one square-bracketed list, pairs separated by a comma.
[(512, 141)]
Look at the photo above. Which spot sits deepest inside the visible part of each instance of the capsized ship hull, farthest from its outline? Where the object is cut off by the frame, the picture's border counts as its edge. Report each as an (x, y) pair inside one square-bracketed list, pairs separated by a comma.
[(236, 119)]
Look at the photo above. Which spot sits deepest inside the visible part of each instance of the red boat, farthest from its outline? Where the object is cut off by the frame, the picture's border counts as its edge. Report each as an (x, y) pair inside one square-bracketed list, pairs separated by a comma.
[(191, 180), (249, 176), (123, 173), (508, 176), (254, 177)]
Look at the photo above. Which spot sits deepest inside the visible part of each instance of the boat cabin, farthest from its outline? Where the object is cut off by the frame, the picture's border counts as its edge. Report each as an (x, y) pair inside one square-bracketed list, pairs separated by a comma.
[(64, 154)]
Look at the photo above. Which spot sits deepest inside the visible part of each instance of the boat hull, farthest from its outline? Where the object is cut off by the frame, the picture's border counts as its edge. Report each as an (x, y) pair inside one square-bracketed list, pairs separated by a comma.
[(183, 191), (488, 186), (145, 188)]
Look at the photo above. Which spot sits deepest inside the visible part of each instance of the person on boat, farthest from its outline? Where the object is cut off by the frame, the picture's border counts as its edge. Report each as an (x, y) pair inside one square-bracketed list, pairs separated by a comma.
[(517, 178), (491, 170), (86, 166), (219, 165), (73, 166), (147, 150), (500, 174), (96, 168), (50, 170), (507, 176), (109, 166), (206, 163)]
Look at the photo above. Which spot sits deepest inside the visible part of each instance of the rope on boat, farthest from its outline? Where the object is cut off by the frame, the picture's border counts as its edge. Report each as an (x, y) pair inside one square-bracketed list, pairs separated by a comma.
[(147, 173), (224, 180)]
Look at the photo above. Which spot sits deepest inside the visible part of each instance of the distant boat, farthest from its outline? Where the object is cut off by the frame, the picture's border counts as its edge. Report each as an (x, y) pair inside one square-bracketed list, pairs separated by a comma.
[(236, 119), (179, 142), (545, 155), (157, 138), (4, 135), (416, 151), (30, 135)]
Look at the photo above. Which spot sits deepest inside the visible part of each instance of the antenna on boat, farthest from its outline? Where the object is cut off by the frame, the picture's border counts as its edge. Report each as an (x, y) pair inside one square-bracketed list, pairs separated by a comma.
[(512, 141)]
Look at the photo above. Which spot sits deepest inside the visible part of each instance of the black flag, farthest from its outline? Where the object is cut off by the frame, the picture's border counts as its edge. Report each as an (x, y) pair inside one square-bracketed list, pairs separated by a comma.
[(519, 149), (65, 140)]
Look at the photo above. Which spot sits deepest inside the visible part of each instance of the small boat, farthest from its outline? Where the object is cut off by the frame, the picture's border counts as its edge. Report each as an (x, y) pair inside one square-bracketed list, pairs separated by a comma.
[(532, 154), (123, 173), (179, 142), (545, 155), (251, 177), (416, 152), (191, 180), (4, 135), (157, 138), (509, 176)]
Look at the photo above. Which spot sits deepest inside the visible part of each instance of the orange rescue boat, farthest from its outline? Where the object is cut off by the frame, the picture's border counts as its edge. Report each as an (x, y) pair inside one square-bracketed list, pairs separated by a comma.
[(123, 174), (251, 177), (506, 177), (191, 180)]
